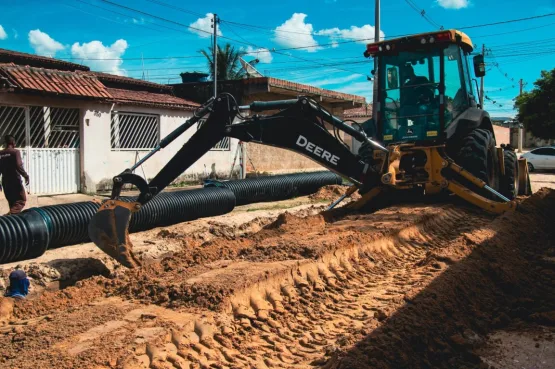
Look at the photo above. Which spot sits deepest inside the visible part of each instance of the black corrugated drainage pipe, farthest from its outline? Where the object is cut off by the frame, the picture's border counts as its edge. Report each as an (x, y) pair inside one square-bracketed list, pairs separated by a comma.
[(29, 234), (279, 187), (23, 236), (179, 206)]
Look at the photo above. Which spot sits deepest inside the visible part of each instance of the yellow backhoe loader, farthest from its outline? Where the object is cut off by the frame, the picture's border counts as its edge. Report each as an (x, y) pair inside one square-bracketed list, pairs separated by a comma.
[(428, 136)]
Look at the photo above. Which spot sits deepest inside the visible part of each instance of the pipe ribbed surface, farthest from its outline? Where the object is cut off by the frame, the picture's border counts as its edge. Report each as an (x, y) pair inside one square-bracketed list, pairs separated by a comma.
[(68, 223), (279, 187), (179, 206), (29, 234), (22, 236), (308, 183)]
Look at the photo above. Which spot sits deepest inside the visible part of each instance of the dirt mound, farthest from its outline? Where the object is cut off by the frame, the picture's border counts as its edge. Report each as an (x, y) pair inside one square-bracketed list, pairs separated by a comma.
[(331, 192), (506, 280), (412, 286)]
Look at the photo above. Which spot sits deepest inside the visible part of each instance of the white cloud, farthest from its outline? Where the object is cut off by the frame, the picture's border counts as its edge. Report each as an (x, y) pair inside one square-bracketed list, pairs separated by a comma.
[(204, 24), (453, 4), (3, 34), (296, 33), (43, 44), (15, 33), (358, 88), (96, 50), (138, 21), (364, 34), (337, 81), (262, 54)]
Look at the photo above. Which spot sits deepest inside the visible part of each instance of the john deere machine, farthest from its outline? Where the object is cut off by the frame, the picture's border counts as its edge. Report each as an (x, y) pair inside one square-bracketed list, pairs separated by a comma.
[(428, 136)]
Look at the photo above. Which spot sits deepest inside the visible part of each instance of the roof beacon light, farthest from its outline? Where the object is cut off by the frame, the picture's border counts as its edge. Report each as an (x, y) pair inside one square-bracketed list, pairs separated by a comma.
[(380, 48), (388, 47), (432, 39), (423, 41), (444, 36)]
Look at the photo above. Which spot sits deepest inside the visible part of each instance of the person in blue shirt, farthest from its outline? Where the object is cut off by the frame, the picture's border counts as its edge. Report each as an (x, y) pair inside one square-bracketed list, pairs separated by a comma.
[(19, 285)]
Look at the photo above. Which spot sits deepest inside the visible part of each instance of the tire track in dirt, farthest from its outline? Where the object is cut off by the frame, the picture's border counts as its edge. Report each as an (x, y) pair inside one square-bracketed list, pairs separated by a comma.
[(297, 314), (343, 292)]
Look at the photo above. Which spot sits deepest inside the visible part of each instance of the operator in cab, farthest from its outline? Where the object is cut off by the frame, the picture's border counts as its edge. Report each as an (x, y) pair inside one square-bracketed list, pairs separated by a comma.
[(411, 94)]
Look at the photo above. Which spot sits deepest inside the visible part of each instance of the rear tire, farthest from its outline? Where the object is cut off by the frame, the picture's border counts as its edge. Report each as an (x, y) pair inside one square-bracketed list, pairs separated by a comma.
[(530, 167), (366, 153), (509, 184), (478, 155)]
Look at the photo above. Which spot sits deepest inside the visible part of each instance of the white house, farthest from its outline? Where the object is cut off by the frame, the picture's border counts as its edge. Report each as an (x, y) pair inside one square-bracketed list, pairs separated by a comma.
[(77, 128)]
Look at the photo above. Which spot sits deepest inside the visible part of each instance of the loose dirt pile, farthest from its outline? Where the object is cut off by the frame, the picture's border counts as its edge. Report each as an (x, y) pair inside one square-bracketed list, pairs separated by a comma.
[(414, 286)]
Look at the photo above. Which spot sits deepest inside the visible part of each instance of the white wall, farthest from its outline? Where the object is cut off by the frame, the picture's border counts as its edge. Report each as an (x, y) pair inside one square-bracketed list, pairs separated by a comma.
[(100, 163)]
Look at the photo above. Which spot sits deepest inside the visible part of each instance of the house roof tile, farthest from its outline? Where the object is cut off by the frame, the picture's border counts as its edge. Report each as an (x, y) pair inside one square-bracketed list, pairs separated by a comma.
[(106, 78), (304, 89), (53, 81), (10, 56), (146, 98), (365, 111)]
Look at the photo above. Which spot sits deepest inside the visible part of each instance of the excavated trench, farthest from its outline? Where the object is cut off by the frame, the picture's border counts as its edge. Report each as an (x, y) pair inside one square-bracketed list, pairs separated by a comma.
[(414, 286)]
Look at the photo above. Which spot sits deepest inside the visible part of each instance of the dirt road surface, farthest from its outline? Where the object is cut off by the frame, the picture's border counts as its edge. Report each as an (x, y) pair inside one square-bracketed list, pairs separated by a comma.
[(411, 286)]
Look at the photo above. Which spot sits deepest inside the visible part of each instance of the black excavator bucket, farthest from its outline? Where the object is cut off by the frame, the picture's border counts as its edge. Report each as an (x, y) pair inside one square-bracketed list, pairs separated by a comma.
[(109, 230)]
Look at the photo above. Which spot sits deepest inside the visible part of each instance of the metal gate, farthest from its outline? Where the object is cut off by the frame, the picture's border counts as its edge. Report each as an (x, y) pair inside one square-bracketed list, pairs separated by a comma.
[(48, 138)]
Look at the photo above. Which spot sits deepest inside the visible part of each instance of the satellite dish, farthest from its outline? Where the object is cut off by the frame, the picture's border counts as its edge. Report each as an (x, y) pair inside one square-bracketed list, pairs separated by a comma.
[(251, 71)]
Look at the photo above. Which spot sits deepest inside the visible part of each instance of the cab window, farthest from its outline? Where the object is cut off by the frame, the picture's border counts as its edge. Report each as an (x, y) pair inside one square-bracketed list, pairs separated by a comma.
[(455, 94)]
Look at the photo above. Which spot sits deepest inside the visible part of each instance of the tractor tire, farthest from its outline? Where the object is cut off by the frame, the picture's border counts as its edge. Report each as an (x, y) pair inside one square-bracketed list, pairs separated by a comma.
[(366, 153), (509, 183), (478, 155)]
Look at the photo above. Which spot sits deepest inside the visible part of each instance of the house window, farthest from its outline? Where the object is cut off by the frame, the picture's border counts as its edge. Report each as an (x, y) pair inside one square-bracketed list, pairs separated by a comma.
[(223, 145), (54, 128), (133, 131)]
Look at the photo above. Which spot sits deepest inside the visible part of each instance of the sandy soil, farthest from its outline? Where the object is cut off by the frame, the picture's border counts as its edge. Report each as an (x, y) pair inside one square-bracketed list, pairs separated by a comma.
[(410, 286)]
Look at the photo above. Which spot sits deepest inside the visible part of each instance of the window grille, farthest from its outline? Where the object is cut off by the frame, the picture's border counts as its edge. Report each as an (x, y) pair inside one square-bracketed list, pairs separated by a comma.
[(223, 145), (54, 128), (133, 131), (49, 127), (12, 121)]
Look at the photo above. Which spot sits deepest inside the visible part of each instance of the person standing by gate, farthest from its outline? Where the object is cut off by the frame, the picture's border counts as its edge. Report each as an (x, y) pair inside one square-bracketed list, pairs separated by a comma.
[(11, 169)]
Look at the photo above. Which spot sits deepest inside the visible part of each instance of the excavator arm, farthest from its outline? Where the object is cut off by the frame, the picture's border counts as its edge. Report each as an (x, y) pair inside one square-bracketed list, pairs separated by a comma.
[(299, 125)]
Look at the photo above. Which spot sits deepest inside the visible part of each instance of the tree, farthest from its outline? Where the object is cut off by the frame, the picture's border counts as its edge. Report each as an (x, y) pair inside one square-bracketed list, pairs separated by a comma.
[(536, 109), (228, 62)]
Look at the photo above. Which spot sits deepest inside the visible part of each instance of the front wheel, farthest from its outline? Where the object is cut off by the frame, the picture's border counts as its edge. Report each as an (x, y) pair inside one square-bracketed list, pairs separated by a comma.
[(478, 155), (530, 167)]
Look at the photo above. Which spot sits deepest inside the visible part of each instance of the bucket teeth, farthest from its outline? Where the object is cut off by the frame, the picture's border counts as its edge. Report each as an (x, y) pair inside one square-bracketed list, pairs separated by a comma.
[(109, 230)]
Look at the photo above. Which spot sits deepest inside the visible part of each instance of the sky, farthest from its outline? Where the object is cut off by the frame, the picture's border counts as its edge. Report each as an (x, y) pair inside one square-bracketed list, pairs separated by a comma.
[(158, 39)]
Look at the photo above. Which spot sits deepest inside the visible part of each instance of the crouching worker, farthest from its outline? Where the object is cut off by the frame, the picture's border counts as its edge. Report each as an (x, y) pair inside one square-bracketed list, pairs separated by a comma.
[(11, 169), (19, 285)]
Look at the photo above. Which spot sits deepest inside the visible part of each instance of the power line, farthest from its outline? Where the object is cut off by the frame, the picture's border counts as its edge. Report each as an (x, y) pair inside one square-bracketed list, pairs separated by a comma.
[(155, 16), (334, 43), (514, 31), (508, 21), (300, 58), (422, 12), (187, 11)]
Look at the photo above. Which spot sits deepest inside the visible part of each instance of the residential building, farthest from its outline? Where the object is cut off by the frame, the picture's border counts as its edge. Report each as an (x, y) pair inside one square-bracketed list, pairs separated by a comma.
[(77, 128)]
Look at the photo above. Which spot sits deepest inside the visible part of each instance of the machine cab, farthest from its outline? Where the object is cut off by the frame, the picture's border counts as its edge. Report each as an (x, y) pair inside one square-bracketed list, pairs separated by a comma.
[(424, 83)]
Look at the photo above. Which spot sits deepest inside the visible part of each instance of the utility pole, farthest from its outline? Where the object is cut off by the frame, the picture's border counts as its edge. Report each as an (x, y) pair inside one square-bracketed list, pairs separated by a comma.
[(520, 133), (482, 80), (375, 102), (215, 50)]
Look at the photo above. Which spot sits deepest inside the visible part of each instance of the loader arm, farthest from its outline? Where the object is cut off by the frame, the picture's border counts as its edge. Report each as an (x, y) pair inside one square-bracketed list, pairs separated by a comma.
[(299, 127)]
